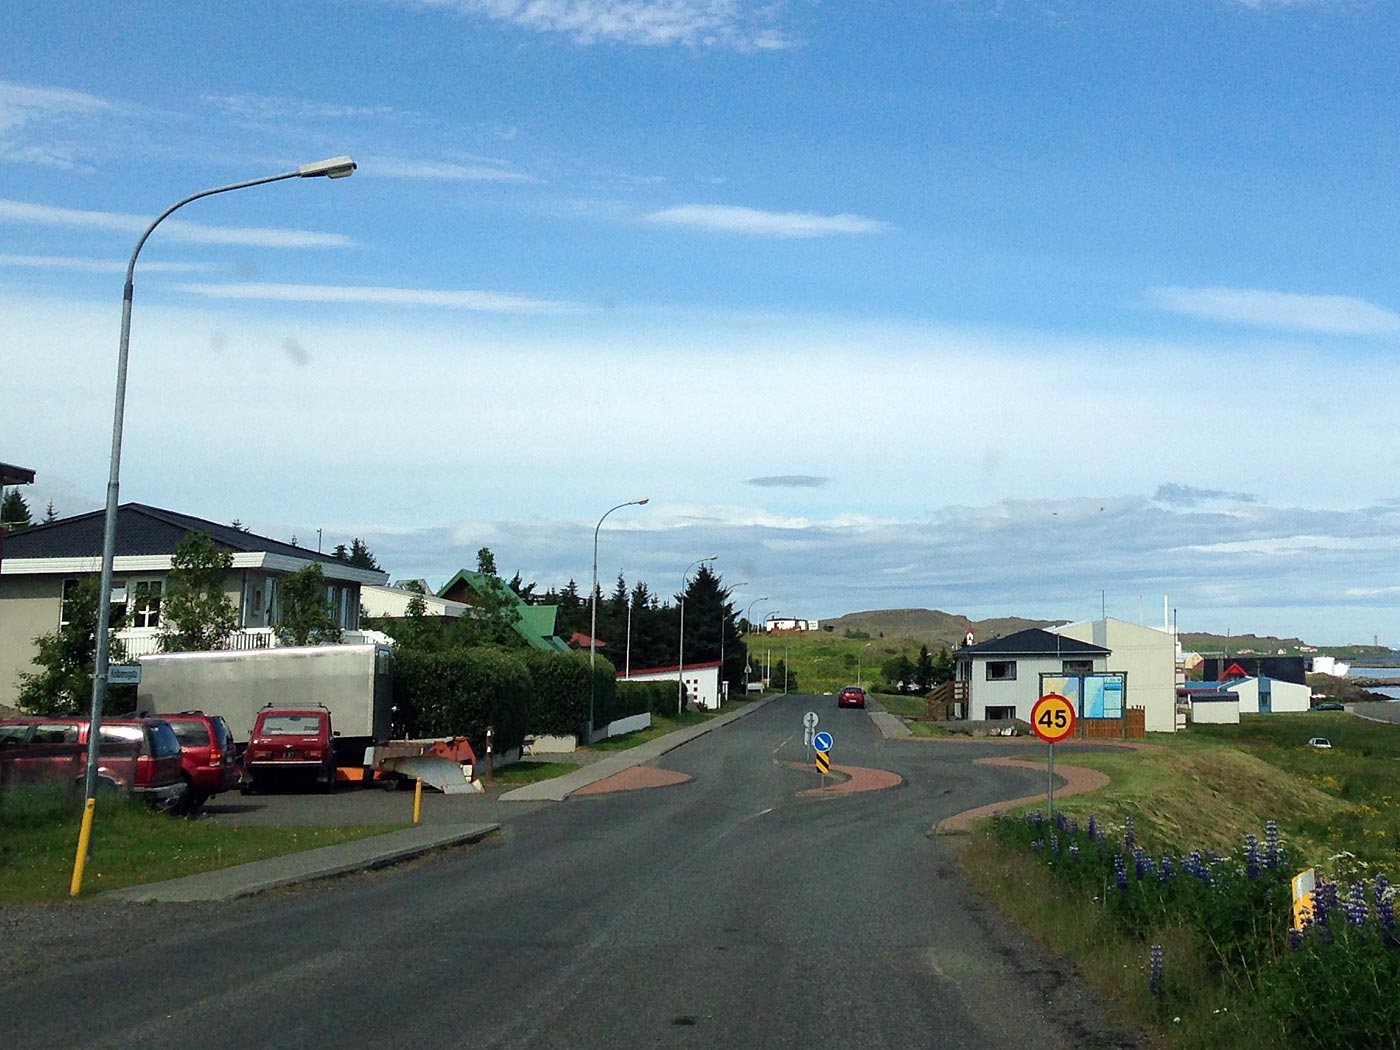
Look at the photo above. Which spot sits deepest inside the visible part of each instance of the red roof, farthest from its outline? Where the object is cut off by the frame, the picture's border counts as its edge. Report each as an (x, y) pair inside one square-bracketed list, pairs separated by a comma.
[(667, 670), (579, 640)]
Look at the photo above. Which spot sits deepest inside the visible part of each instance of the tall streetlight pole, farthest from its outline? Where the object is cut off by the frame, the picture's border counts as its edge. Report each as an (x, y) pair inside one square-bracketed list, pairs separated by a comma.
[(859, 655), (722, 618), (748, 619), (680, 658), (334, 168), (593, 597)]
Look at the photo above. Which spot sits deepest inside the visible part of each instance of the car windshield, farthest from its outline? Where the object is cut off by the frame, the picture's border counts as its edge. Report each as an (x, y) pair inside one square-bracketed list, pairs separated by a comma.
[(291, 725)]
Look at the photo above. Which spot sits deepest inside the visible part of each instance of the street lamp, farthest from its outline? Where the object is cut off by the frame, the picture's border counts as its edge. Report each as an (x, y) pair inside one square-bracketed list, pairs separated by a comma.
[(593, 595), (748, 619), (680, 658), (334, 168), (742, 583), (861, 653)]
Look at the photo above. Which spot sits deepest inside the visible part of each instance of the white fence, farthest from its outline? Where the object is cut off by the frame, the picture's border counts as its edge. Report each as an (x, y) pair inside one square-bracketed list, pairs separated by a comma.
[(143, 641)]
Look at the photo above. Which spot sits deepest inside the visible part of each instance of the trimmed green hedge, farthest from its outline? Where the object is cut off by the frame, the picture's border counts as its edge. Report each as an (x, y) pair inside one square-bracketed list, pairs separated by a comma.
[(657, 697), (559, 699), (459, 692)]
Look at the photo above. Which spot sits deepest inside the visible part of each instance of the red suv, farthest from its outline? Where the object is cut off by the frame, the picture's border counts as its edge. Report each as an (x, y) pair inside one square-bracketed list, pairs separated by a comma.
[(140, 756), (208, 755), (290, 741)]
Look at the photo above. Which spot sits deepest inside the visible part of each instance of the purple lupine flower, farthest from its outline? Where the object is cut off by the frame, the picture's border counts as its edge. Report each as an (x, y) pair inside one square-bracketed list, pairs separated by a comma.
[(1272, 852), (1166, 872), (1358, 912), (1037, 845), (1074, 851), (1251, 856), (1295, 938), (1129, 839), (1154, 980), (1382, 888), (1054, 844), (1193, 864), (1120, 871), (1142, 867), (1093, 827), (1324, 901)]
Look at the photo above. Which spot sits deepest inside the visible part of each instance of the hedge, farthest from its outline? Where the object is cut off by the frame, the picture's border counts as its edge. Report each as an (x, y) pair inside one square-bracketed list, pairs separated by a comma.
[(459, 692), (657, 697), (560, 697)]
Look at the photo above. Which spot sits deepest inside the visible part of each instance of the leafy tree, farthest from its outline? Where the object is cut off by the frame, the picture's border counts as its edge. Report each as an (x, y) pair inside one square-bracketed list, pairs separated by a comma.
[(491, 620), (486, 562), (340, 552), (898, 671), (14, 511), (196, 614), (50, 515), (944, 666), (923, 671), (63, 685), (305, 617)]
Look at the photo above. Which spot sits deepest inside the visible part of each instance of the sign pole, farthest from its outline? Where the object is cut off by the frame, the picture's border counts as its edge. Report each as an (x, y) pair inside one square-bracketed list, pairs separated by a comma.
[(1050, 788), (1052, 719)]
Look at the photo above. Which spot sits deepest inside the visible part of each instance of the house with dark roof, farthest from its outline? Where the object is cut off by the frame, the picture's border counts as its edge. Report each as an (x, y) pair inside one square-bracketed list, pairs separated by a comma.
[(1002, 675), (45, 562)]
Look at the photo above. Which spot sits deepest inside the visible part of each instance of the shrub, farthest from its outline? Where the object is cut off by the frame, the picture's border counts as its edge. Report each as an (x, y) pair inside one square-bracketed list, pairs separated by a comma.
[(459, 692), (560, 696), (657, 697)]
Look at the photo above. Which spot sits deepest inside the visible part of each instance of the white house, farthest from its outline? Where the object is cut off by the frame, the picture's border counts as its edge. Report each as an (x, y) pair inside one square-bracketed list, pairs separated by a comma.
[(1269, 695), (1147, 655), (1215, 709), (701, 681), (393, 602), (1003, 675), (790, 623)]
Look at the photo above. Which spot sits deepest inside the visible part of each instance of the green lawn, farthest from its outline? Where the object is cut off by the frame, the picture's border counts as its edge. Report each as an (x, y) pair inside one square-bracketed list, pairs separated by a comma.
[(660, 726), (132, 845), (518, 773)]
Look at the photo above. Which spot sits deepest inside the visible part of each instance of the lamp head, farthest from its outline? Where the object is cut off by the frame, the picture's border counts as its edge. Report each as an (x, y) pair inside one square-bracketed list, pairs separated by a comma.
[(334, 168), (641, 502)]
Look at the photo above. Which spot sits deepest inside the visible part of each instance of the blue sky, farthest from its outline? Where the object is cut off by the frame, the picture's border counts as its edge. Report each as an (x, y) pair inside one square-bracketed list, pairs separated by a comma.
[(995, 306)]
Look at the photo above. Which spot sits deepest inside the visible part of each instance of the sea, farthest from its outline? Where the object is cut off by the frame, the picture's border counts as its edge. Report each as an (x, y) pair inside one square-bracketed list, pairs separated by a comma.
[(1382, 674)]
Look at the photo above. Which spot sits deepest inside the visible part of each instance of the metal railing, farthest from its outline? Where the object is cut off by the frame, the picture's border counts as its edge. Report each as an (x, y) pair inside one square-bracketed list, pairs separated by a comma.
[(143, 641)]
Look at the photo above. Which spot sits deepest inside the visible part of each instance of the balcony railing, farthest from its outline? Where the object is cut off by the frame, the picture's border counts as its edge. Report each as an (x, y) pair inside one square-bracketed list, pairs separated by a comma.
[(143, 641)]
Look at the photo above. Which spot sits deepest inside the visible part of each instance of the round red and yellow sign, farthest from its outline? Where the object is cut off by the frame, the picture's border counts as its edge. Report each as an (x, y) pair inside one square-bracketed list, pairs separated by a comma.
[(1052, 718)]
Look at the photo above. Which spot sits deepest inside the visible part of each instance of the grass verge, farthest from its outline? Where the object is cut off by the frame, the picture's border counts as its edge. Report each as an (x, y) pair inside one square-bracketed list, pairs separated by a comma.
[(518, 773), (132, 845), (660, 726)]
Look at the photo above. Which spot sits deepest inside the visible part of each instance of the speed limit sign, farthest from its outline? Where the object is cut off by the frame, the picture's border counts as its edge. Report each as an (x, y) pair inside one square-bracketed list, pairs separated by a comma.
[(1052, 718)]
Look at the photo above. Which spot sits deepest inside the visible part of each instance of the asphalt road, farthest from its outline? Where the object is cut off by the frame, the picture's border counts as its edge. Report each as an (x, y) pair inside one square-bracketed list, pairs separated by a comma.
[(727, 911)]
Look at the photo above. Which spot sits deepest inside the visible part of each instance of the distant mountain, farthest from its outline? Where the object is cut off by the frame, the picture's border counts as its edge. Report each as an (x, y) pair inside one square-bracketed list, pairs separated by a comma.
[(929, 626)]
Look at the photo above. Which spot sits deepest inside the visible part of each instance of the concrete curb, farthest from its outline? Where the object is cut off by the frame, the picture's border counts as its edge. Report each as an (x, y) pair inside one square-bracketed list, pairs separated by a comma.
[(244, 880), (559, 788)]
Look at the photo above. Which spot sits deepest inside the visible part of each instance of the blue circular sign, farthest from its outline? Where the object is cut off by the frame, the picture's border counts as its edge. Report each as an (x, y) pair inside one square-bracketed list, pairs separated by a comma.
[(822, 742)]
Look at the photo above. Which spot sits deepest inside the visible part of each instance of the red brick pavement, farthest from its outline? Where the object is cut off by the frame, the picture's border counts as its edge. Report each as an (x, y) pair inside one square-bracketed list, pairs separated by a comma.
[(1078, 781), (634, 779)]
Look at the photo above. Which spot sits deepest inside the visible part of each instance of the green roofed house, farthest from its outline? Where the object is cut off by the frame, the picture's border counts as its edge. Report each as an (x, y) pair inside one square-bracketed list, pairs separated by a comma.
[(534, 623)]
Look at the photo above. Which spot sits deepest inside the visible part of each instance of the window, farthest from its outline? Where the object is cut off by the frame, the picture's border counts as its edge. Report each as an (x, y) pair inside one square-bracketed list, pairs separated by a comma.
[(65, 605), (997, 714), (1077, 667), (145, 603), (1001, 670)]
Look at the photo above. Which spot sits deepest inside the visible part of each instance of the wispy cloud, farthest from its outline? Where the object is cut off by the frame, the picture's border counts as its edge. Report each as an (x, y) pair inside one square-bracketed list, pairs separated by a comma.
[(731, 24), (266, 107), (1176, 495), (483, 302), (789, 481), (725, 218), (24, 213), (1288, 311), (444, 170), (40, 125), (77, 265)]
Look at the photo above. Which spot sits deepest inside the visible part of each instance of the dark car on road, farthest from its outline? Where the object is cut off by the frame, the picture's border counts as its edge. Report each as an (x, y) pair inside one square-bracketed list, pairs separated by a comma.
[(290, 743), (209, 757), (136, 756), (851, 696), (1329, 705)]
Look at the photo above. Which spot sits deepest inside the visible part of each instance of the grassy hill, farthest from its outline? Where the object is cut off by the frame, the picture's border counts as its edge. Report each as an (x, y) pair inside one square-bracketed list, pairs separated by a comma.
[(931, 627)]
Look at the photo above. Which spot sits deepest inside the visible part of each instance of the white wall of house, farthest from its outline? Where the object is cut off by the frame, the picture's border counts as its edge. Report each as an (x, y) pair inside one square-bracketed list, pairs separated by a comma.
[(393, 601), (1284, 697), (29, 607), (1215, 712), (1147, 655), (701, 682), (1020, 693)]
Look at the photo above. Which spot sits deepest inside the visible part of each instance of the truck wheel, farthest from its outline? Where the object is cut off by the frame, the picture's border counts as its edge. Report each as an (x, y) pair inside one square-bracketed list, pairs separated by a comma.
[(328, 785)]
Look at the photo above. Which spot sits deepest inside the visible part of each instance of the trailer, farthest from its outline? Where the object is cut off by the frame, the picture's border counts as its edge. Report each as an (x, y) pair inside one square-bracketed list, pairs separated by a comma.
[(355, 683)]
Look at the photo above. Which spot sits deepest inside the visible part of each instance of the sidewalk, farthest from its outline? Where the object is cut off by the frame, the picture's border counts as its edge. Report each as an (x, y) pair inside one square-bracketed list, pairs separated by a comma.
[(559, 788), (244, 880)]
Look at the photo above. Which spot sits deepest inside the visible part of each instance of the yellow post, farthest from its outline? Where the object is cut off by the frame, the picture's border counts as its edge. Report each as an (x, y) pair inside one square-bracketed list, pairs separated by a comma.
[(84, 838), (417, 800)]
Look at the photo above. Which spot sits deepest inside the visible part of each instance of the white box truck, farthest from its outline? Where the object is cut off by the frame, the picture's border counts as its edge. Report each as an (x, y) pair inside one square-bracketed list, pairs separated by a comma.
[(355, 683)]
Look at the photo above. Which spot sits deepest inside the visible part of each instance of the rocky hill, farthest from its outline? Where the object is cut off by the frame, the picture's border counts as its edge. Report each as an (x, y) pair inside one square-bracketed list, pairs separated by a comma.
[(929, 626)]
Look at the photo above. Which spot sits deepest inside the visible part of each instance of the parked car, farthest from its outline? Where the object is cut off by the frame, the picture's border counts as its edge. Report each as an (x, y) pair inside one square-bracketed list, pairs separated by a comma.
[(209, 756), (851, 696), (1329, 705), (290, 742), (1320, 742), (136, 756)]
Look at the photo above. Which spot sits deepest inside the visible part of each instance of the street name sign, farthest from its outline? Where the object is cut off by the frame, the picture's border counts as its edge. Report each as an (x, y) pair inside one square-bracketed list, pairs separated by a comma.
[(123, 674)]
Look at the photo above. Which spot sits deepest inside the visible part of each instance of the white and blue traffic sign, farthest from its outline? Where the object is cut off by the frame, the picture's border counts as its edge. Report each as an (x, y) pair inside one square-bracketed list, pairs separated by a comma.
[(822, 741)]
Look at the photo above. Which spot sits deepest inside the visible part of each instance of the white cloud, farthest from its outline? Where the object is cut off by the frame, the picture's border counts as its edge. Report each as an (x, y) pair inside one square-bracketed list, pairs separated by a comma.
[(486, 302), (751, 221), (23, 213), (648, 23), (265, 107), (77, 265), (445, 170), (1288, 311), (40, 125)]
